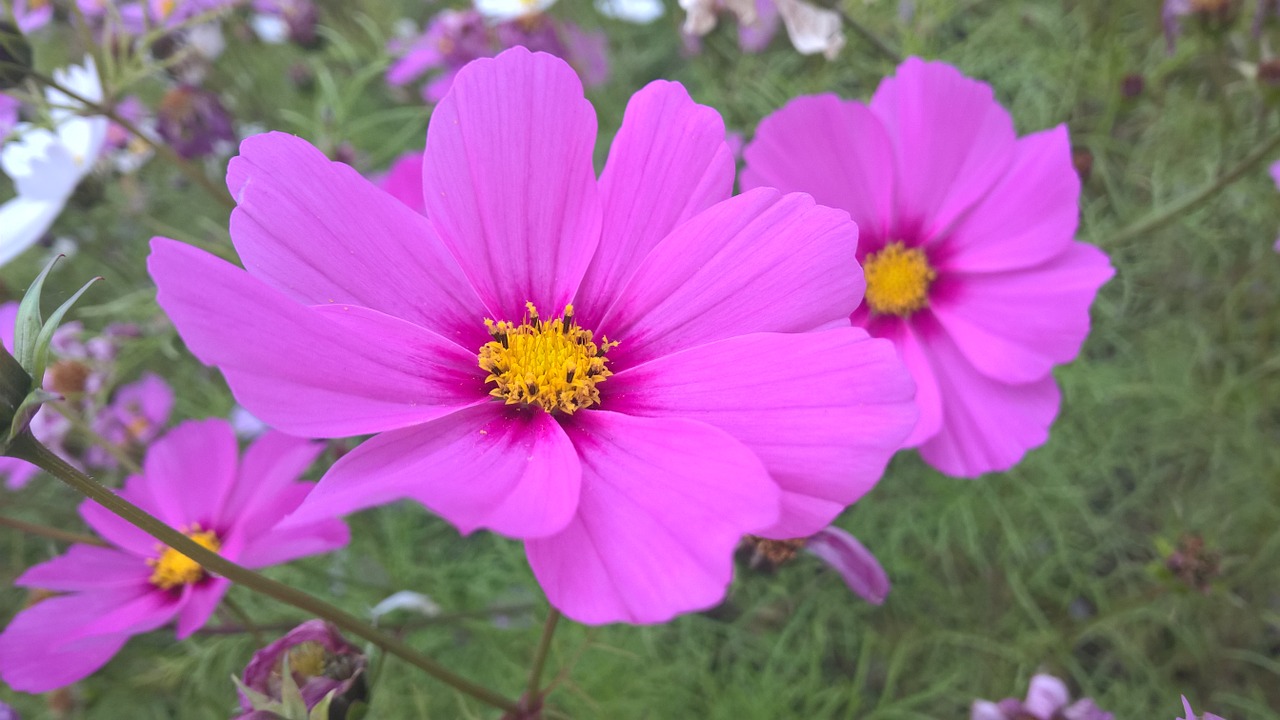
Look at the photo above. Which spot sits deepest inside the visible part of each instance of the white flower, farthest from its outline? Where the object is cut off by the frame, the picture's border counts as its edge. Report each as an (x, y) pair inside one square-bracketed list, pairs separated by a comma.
[(641, 12), (812, 29), (47, 165), (502, 10)]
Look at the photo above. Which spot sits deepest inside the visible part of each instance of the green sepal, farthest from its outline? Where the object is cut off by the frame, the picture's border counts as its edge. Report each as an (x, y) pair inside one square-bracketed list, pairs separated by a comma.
[(45, 337), (26, 331)]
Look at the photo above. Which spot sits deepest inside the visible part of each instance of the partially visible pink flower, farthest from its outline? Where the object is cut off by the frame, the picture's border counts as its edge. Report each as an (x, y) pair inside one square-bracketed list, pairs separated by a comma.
[(193, 121), (136, 415), (1186, 707), (8, 713), (855, 563), (276, 21), (628, 373), (967, 242), (404, 180), (456, 37), (129, 108), (1275, 178), (1047, 699), (139, 16), (194, 481), (321, 661), (1214, 13)]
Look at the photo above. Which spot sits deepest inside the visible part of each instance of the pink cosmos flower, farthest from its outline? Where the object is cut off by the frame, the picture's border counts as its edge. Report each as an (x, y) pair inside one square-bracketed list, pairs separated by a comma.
[(140, 16), (321, 661), (966, 241), (859, 569), (1186, 707), (192, 480), (48, 426), (628, 373), (1047, 699), (137, 414)]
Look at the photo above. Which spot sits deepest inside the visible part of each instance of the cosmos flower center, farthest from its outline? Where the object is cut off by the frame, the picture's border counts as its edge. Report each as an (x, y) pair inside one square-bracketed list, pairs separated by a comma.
[(308, 659), (173, 569), (553, 364), (898, 279)]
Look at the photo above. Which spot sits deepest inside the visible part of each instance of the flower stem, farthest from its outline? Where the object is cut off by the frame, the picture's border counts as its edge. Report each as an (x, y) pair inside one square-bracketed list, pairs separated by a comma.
[(540, 658), (1168, 214), (865, 32), (193, 173), (26, 447), (82, 425), (49, 532)]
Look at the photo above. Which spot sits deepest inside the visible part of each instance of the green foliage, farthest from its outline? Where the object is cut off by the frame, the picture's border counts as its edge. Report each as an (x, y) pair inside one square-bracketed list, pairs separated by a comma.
[(1170, 421)]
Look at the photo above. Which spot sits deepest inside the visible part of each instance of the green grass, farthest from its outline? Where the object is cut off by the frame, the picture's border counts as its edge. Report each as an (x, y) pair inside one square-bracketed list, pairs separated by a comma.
[(1170, 420)]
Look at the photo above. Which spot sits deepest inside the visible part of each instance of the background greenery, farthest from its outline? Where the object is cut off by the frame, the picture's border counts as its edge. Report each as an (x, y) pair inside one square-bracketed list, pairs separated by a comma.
[(1170, 424)]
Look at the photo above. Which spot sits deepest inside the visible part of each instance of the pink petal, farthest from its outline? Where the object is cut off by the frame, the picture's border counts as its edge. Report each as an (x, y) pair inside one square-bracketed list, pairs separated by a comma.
[(986, 710), (823, 411), (61, 640), (328, 371), (758, 262), (190, 472), (953, 141), (200, 605), (1046, 695), (319, 232), (664, 503), (668, 163), (855, 563), (928, 397), (488, 466), (1015, 326), (120, 532), (509, 182), (17, 473), (835, 150), (987, 425), (283, 544), (403, 181), (1029, 217), (85, 567), (1274, 170), (270, 467)]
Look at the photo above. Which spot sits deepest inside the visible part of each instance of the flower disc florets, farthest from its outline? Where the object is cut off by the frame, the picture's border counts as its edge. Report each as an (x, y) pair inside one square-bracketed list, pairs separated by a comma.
[(553, 364), (173, 569), (898, 279)]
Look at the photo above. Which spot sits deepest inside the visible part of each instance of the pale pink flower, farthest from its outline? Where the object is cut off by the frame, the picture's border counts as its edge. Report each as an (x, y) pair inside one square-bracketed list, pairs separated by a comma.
[(705, 385), (192, 480), (136, 414), (859, 569), (967, 245), (1047, 699), (32, 15)]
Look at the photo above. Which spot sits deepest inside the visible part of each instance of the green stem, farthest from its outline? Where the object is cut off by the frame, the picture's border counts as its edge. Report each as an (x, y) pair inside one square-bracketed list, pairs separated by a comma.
[(192, 172), (82, 426), (1168, 214), (540, 659), (49, 532), (26, 447)]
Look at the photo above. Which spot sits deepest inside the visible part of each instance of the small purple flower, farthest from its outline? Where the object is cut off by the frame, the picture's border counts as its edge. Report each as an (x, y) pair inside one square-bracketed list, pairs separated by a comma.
[(193, 121), (136, 415), (321, 661), (1186, 706), (140, 16), (1275, 177), (8, 114), (456, 37), (8, 713), (855, 563), (31, 15), (1047, 699)]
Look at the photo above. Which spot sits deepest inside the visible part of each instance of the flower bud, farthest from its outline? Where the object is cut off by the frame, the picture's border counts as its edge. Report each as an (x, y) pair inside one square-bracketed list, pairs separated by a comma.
[(16, 58), (311, 666)]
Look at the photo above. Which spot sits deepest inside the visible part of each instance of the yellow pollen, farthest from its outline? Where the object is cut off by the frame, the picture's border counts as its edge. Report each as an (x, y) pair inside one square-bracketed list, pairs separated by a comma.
[(173, 568), (553, 364), (308, 659), (898, 280), (166, 8)]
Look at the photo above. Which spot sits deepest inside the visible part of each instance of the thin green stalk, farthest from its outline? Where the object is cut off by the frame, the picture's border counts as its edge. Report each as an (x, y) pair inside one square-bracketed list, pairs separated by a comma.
[(1169, 213), (866, 34), (26, 447), (52, 533), (191, 171), (532, 699)]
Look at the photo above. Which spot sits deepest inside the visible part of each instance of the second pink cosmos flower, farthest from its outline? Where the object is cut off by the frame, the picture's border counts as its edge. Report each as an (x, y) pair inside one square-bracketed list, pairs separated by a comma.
[(628, 373)]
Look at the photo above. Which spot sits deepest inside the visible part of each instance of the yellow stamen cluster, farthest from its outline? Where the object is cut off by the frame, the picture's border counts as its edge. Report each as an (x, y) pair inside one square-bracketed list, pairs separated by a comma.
[(173, 569), (898, 280), (308, 659), (553, 364)]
